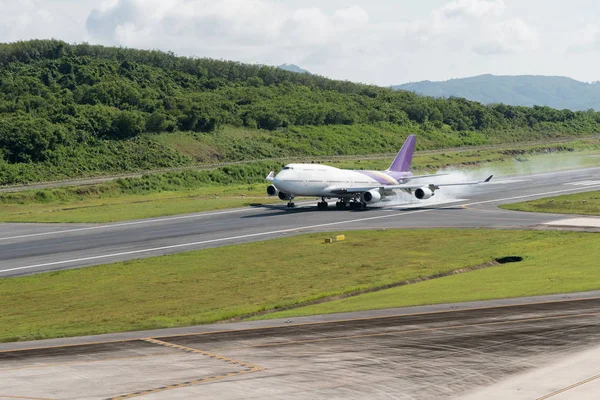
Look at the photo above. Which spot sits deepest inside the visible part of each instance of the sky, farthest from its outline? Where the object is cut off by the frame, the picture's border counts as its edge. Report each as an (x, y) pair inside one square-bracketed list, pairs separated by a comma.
[(382, 42)]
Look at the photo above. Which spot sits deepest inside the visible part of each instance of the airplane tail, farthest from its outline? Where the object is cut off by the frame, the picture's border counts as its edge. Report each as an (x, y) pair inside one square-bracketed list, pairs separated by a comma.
[(402, 161)]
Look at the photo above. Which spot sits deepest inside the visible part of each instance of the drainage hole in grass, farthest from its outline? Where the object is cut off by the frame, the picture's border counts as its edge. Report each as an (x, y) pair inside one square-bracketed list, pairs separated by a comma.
[(509, 259)]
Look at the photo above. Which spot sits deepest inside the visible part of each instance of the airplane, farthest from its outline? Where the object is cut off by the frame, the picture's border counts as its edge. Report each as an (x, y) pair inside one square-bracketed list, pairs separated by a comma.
[(354, 188)]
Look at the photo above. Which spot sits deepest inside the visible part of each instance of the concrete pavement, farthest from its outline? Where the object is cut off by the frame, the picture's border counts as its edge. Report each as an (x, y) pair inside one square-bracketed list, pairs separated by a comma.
[(519, 348)]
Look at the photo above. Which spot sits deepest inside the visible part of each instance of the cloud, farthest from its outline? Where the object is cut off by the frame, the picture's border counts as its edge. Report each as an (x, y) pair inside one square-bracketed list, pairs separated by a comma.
[(237, 29), (305, 27), (509, 36), (28, 18), (345, 42), (491, 48), (480, 26), (586, 39), (473, 8), (379, 41), (352, 15)]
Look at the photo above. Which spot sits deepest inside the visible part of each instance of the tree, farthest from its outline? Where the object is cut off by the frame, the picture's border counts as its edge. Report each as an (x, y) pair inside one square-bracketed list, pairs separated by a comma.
[(127, 124)]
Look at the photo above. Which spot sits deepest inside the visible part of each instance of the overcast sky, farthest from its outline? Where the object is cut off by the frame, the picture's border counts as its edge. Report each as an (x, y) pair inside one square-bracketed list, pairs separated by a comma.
[(384, 42)]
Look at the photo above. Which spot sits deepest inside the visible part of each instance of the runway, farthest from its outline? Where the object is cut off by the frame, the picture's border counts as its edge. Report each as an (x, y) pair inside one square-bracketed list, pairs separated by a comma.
[(33, 248), (534, 348)]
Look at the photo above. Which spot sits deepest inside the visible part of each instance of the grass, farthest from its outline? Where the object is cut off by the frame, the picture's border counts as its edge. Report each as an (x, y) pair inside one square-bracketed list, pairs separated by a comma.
[(238, 186), (131, 207), (217, 284), (587, 203), (548, 268)]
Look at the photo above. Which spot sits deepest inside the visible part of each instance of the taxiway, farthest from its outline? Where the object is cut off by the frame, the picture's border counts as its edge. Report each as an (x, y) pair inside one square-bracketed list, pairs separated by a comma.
[(533, 348)]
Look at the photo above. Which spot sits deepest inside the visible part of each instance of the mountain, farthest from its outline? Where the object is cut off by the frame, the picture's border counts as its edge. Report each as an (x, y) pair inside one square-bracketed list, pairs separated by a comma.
[(293, 68), (520, 90)]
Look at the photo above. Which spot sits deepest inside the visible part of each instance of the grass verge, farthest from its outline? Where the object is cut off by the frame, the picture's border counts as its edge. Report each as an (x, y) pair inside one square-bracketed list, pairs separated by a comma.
[(587, 203), (222, 283), (137, 206)]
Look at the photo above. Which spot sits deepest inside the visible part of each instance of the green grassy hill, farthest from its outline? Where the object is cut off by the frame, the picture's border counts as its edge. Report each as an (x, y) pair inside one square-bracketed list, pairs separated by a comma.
[(81, 110)]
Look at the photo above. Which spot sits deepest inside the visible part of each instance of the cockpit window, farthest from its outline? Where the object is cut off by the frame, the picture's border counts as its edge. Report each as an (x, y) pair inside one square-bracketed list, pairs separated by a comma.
[(288, 168)]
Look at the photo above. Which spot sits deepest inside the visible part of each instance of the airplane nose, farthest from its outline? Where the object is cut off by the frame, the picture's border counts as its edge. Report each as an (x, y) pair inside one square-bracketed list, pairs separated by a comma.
[(280, 183), (277, 182)]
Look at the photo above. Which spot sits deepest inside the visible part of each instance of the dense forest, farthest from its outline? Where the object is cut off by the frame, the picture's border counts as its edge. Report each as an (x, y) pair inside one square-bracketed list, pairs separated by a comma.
[(74, 110)]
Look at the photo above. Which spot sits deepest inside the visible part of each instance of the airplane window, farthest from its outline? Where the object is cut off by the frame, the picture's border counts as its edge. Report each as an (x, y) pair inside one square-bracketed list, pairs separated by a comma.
[(288, 168)]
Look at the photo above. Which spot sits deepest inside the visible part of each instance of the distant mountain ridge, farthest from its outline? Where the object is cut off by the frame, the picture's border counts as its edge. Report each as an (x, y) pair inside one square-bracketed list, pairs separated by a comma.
[(293, 68), (520, 90)]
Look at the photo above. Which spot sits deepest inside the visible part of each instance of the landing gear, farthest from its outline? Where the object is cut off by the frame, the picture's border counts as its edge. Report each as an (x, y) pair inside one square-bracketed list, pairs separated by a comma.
[(357, 204), (322, 205), (340, 205), (289, 198)]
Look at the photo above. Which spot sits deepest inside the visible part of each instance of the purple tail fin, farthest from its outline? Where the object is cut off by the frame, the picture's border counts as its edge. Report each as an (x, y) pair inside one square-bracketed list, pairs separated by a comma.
[(402, 161)]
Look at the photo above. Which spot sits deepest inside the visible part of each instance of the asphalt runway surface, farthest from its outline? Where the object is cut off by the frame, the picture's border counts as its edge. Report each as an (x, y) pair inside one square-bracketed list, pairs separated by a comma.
[(32, 248), (430, 352)]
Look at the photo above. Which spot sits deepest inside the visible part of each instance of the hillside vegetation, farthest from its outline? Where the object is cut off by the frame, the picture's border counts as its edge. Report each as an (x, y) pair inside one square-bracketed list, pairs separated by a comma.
[(79, 110), (521, 90)]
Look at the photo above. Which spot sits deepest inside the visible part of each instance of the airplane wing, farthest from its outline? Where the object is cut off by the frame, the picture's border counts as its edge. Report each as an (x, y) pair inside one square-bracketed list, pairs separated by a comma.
[(340, 190), (270, 176), (423, 176)]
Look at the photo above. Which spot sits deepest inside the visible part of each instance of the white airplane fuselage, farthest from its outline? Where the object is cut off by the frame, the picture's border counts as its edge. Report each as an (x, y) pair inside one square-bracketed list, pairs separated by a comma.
[(314, 179)]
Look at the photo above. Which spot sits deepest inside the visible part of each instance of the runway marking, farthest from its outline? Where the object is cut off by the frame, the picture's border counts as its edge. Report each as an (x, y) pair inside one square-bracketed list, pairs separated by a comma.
[(420, 204), (247, 368), (204, 353), (506, 181), (562, 172), (182, 245), (144, 221), (89, 228), (483, 324), (584, 183), (524, 196), (337, 321), (593, 378)]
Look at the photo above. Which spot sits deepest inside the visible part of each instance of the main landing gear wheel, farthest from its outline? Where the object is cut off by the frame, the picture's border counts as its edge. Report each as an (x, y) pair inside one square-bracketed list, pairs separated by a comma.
[(322, 205), (341, 205), (357, 204)]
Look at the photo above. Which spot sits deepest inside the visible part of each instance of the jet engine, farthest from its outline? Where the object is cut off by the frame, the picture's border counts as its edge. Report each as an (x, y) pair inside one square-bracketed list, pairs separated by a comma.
[(372, 196), (423, 193), (272, 190), (284, 196)]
